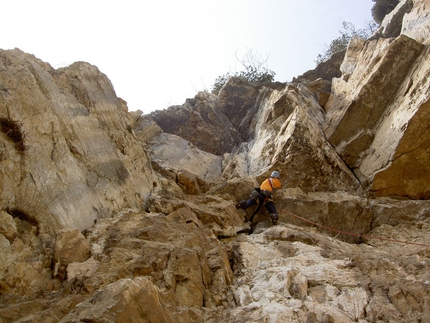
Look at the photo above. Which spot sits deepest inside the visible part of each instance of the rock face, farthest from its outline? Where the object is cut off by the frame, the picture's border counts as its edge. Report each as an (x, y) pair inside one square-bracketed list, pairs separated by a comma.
[(383, 108), (375, 99), (110, 216), (416, 20), (65, 137), (172, 153), (200, 121)]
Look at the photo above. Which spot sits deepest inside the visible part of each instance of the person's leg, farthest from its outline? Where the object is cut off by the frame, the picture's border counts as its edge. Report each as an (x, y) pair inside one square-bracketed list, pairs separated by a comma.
[(270, 207), (248, 203)]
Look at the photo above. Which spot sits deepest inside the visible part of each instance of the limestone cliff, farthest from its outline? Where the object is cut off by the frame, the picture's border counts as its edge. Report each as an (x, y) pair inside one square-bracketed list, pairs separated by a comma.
[(375, 116), (67, 151), (113, 216)]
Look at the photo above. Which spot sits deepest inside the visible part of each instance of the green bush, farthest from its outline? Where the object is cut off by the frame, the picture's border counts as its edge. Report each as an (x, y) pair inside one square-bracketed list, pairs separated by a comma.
[(254, 70), (342, 41)]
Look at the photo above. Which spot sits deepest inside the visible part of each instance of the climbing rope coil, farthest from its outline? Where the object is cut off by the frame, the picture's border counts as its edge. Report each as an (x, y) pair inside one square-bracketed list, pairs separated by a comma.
[(354, 234)]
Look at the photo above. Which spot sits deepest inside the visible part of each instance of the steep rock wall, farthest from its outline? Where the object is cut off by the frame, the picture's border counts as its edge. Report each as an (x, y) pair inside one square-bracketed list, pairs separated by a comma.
[(67, 152), (377, 114)]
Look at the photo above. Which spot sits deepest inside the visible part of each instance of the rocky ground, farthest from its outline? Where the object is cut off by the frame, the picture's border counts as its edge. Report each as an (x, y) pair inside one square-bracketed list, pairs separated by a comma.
[(193, 265), (286, 273)]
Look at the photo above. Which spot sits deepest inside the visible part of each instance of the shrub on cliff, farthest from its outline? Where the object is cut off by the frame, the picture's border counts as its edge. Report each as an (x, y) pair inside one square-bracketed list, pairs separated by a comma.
[(341, 42), (254, 70)]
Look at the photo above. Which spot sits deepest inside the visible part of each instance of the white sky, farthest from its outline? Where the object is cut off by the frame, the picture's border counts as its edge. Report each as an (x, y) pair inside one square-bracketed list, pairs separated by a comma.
[(159, 53)]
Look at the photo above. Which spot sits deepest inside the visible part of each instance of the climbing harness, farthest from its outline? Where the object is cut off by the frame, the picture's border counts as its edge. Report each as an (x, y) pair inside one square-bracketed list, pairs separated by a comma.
[(267, 197)]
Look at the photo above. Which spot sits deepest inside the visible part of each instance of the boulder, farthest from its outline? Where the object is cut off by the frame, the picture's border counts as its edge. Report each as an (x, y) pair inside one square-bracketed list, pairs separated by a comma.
[(126, 300), (80, 270), (70, 246), (146, 129)]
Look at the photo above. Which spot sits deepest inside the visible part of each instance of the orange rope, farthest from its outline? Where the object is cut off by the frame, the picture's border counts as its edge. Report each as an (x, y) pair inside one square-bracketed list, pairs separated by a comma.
[(356, 234)]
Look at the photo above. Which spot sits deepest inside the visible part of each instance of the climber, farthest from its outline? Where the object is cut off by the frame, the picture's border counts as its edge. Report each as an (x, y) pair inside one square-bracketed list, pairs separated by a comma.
[(263, 196)]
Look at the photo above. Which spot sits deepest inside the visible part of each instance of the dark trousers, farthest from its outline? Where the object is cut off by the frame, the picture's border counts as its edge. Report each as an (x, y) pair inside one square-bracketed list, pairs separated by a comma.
[(270, 206)]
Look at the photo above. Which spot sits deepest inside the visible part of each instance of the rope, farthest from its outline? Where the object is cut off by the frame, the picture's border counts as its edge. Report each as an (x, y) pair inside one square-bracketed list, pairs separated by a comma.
[(356, 234)]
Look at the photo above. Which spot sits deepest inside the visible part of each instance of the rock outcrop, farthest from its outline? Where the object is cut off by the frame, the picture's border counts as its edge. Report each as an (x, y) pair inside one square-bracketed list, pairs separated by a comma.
[(285, 273), (382, 93), (67, 152), (111, 216), (201, 122), (375, 116)]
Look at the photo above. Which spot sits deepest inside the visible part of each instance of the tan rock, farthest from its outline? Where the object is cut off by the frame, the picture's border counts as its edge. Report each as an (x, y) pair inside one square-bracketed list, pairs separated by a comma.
[(200, 121), (408, 173), (146, 129), (184, 258), (371, 115), (80, 270), (370, 89), (126, 300), (416, 21), (76, 133), (25, 277), (310, 277), (293, 144), (191, 168), (70, 246), (402, 126), (7, 226)]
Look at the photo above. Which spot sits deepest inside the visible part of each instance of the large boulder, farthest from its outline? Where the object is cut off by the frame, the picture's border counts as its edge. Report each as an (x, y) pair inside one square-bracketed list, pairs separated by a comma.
[(70, 246)]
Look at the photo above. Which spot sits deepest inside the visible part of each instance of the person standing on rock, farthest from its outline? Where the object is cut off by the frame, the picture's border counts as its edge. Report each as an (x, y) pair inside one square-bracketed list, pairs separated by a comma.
[(263, 196)]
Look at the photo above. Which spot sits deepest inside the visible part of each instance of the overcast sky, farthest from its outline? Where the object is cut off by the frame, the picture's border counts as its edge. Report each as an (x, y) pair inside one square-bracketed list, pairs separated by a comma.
[(159, 53)]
